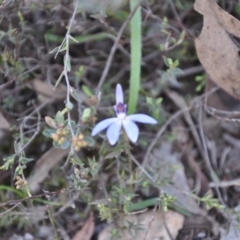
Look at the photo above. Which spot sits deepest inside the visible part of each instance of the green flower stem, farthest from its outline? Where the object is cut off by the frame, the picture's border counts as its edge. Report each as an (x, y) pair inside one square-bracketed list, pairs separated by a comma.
[(136, 56), (64, 111), (128, 151)]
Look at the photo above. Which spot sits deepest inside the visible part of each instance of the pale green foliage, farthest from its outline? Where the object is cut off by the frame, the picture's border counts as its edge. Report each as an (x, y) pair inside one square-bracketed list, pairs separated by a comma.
[(155, 108), (168, 77), (106, 213), (201, 80), (210, 202), (165, 201)]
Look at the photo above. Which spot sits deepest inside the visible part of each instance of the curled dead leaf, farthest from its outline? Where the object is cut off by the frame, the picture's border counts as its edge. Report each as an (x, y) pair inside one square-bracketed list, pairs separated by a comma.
[(44, 164), (50, 122), (148, 226), (86, 232), (45, 91), (217, 46), (3, 122)]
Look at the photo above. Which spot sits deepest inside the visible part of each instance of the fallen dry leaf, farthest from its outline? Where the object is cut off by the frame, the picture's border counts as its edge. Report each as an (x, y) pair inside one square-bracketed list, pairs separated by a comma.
[(167, 165), (44, 164), (45, 91), (217, 47), (86, 232), (220, 99), (3, 122), (144, 226), (232, 233)]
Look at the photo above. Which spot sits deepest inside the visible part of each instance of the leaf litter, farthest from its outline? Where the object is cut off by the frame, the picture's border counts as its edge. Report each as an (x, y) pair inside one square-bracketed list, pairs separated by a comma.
[(218, 51), (218, 47)]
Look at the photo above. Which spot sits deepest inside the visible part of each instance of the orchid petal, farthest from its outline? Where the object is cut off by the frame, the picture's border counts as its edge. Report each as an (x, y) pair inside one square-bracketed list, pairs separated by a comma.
[(119, 94), (113, 132), (103, 125), (131, 130), (142, 118)]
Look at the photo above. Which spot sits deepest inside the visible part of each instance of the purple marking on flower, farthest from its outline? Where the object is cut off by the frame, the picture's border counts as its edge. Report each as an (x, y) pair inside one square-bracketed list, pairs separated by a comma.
[(114, 125)]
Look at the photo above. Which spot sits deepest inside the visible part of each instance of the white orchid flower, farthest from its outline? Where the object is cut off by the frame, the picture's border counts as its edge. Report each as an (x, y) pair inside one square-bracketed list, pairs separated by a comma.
[(114, 125)]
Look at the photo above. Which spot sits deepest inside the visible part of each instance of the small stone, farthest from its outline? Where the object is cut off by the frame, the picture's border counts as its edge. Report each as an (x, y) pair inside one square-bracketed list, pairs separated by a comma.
[(28, 236)]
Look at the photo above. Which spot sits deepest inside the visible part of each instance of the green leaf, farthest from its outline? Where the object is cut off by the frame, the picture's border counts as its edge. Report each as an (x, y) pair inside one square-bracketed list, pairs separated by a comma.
[(87, 91), (77, 160), (136, 56), (59, 79), (72, 38), (198, 88), (165, 59), (9, 161), (142, 204), (90, 141), (177, 71), (86, 114), (53, 38), (69, 105), (175, 64), (12, 189), (94, 166), (81, 39), (75, 95), (9, 158), (79, 73), (120, 15), (149, 100), (25, 160), (58, 50), (214, 177), (165, 77), (159, 100), (48, 131), (56, 145), (161, 47), (66, 144), (160, 72), (73, 124), (59, 118), (54, 50), (199, 78), (113, 154), (18, 171), (170, 62)]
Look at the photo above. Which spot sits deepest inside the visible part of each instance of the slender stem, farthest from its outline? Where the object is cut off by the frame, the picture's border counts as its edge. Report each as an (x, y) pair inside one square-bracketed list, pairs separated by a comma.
[(52, 223), (128, 151), (160, 132)]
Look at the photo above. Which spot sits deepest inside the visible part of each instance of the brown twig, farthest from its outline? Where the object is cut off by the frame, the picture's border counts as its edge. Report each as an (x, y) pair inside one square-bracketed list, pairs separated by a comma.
[(161, 131), (36, 132), (10, 209), (206, 154), (173, 8), (152, 220), (225, 184), (46, 194), (180, 103)]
